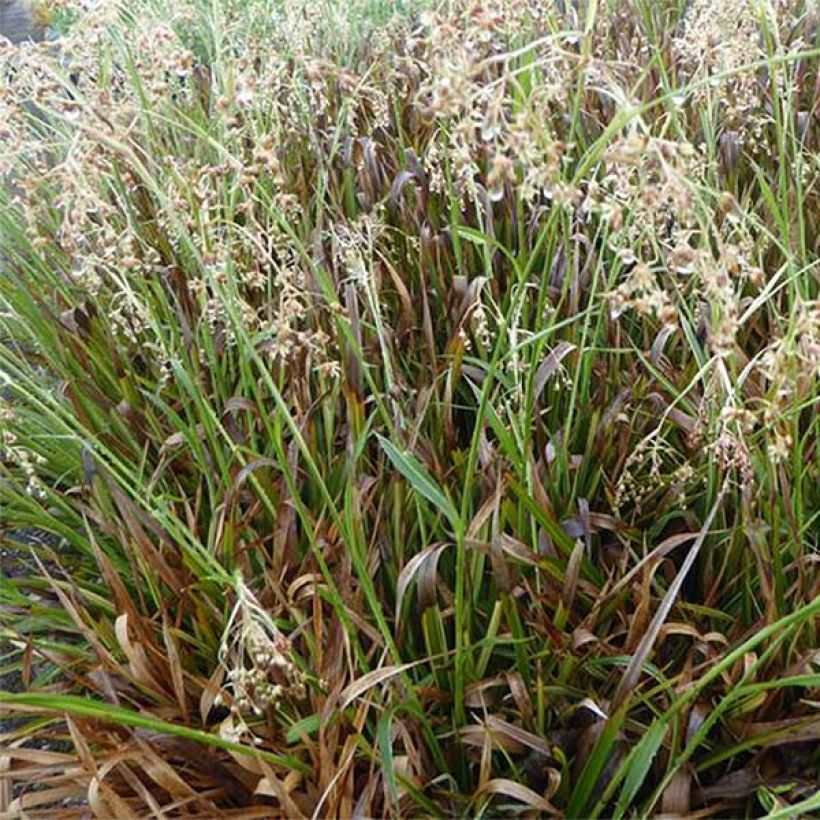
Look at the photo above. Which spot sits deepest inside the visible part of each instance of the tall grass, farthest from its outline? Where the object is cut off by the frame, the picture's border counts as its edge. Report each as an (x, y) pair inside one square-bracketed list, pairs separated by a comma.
[(416, 410)]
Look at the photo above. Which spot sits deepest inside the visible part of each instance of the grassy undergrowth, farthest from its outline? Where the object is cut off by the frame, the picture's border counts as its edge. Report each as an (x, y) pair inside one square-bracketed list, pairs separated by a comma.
[(417, 408)]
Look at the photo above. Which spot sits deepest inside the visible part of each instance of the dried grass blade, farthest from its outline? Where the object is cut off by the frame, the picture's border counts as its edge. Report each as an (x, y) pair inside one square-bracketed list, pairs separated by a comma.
[(633, 671), (369, 680), (519, 792)]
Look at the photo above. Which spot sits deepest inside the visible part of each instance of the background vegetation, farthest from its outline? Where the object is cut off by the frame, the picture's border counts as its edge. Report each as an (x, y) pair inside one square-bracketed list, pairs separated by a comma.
[(411, 411)]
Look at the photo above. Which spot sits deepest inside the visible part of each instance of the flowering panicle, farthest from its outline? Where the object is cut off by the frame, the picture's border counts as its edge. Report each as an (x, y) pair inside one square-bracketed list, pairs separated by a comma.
[(258, 659), (719, 50), (17, 457)]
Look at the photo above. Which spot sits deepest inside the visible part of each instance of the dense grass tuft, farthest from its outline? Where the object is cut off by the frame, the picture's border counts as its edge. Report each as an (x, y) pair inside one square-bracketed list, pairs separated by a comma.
[(411, 411)]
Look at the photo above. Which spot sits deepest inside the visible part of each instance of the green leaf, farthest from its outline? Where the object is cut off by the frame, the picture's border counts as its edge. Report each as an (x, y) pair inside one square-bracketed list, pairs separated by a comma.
[(386, 749), (638, 763), (305, 726), (584, 790), (421, 481), (802, 809)]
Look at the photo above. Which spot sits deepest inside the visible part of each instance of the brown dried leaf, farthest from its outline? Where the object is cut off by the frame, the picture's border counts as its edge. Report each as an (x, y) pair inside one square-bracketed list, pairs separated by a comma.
[(174, 665), (519, 735), (271, 786), (633, 671), (475, 695), (572, 574), (103, 800), (368, 681), (509, 788), (781, 732), (677, 796), (137, 659), (426, 561)]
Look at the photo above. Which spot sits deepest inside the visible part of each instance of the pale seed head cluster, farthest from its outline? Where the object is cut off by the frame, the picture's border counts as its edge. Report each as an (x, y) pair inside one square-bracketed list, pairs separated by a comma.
[(488, 135), (649, 468), (18, 458), (790, 368), (258, 659)]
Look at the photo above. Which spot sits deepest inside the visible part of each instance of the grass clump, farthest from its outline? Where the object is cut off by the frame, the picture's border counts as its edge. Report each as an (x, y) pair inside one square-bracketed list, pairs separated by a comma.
[(417, 408)]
